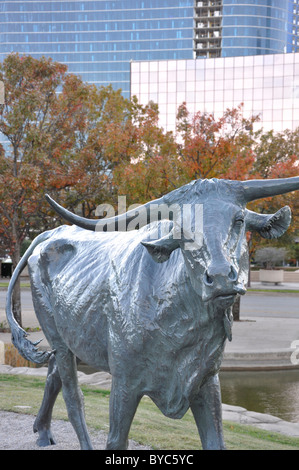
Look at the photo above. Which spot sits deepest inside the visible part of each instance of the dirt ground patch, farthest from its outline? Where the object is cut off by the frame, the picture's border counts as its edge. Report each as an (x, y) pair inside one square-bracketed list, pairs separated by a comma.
[(16, 433)]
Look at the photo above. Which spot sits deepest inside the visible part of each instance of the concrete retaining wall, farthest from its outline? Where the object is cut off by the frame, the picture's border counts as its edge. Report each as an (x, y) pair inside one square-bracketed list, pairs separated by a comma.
[(289, 276)]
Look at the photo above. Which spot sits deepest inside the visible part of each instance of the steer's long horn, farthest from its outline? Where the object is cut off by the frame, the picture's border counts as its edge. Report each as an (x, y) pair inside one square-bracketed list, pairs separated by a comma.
[(258, 189), (118, 223)]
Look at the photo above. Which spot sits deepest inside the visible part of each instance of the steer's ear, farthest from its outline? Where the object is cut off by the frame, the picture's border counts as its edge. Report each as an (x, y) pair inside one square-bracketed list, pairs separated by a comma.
[(269, 225), (160, 250)]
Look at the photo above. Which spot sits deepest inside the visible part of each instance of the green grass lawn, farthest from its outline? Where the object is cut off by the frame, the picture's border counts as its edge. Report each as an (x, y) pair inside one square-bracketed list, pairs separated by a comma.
[(281, 291), (23, 283), (149, 427)]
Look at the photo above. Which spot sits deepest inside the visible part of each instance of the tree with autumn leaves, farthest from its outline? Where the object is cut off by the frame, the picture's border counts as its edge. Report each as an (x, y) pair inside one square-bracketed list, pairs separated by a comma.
[(33, 126), (203, 147), (86, 145)]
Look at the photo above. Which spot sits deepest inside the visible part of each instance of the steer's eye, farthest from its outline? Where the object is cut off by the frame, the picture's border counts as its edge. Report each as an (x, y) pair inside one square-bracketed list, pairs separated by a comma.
[(239, 221)]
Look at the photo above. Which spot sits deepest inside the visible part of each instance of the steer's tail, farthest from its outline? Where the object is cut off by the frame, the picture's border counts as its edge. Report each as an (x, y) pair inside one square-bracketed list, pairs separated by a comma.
[(25, 347)]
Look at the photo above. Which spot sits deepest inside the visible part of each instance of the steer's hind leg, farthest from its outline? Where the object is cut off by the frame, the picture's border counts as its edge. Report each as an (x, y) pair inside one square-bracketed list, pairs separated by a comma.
[(207, 411), (42, 423), (122, 406)]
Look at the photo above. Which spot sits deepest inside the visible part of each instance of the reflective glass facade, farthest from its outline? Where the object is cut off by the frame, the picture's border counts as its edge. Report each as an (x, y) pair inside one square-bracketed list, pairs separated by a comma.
[(258, 27), (98, 39), (268, 85), (230, 28)]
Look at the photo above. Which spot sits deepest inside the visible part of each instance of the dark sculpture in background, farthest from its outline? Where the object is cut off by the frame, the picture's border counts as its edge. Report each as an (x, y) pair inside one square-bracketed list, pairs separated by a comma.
[(151, 306)]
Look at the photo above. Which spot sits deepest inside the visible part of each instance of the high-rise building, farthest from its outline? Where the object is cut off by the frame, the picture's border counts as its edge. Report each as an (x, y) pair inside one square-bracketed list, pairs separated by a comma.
[(231, 28), (99, 39)]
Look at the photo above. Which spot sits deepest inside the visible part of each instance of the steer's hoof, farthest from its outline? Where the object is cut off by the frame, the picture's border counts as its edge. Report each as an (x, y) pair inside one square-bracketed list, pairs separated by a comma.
[(45, 439)]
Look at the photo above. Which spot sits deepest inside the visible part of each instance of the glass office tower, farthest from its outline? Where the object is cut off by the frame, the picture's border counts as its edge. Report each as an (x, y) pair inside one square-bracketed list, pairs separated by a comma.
[(231, 28), (98, 39), (257, 27)]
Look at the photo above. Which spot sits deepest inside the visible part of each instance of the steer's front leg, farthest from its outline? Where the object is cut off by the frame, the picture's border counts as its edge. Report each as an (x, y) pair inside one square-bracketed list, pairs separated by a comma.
[(122, 406), (207, 411)]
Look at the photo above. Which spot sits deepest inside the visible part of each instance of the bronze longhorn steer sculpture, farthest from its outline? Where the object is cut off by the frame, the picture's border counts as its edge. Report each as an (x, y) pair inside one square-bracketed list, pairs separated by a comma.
[(154, 311)]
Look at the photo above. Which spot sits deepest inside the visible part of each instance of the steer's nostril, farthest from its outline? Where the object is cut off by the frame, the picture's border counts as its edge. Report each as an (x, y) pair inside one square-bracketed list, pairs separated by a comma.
[(208, 279), (233, 275)]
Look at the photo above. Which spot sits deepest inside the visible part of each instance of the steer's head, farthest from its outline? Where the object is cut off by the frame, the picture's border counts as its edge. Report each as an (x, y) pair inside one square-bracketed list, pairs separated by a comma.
[(209, 225), (210, 228)]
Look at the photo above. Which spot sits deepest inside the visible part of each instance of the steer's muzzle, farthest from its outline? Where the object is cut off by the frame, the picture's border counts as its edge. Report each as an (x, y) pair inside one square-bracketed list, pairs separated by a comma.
[(221, 282)]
